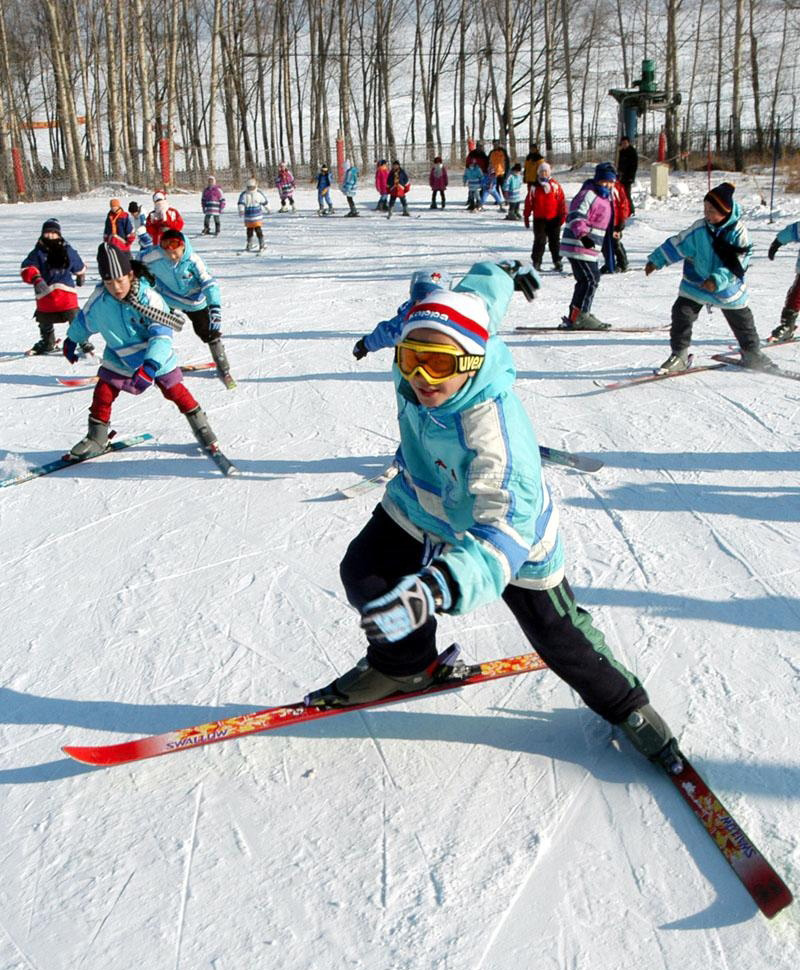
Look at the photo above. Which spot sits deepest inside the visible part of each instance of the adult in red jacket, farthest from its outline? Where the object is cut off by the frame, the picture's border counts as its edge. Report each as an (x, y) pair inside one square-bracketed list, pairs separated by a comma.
[(546, 203), (621, 206), (162, 217), (53, 268)]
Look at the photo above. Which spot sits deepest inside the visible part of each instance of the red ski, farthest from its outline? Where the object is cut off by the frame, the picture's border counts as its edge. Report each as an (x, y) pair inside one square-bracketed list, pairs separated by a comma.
[(769, 891), (84, 381), (655, 376), (271, 718)]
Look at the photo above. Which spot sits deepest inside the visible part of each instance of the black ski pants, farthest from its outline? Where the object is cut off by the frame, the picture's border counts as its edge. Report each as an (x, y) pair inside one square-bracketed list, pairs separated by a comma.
[(559, 630), (587, 279), (546, 232), (686, 311)]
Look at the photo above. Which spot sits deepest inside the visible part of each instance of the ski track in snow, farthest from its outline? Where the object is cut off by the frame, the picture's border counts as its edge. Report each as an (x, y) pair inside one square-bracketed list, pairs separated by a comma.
[(487, 829)]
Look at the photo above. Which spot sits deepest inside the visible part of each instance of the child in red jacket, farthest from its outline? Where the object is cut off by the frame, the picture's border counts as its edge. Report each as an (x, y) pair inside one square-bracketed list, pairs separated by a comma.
[(546, 203), (162, 217)]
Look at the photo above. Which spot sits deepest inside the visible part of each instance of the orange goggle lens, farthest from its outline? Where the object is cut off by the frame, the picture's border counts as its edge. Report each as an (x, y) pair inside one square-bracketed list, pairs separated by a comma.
[(438, 363), (171, 243)]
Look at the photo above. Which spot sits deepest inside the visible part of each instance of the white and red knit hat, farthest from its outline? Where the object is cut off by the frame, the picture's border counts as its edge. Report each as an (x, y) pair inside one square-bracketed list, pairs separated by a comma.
[(461, 316)]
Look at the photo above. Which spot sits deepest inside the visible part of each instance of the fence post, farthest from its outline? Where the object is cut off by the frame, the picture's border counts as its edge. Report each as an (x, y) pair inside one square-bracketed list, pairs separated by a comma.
[(775, 152), (19, 174)]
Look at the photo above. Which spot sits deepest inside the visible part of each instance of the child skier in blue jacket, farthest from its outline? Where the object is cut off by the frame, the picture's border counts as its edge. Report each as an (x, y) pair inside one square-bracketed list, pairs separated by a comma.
[(182, 279), (137, 327), (469, 518), (716, 253)]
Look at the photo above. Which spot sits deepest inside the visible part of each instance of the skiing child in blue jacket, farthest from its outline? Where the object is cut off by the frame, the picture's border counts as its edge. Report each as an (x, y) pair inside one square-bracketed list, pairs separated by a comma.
[(791, 305), (137, 327), (469, 518), (324, 181), (350, 186), (716, 253), (182, 279)]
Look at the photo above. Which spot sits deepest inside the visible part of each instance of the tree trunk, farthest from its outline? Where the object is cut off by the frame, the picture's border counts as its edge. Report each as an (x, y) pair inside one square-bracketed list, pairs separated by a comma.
[(736, 106), (568, 79), (143, 73)]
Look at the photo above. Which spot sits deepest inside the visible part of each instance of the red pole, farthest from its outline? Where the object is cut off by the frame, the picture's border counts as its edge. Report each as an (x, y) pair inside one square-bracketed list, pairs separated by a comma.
[(662, 146), (19, 174), (163, 150), (340, 157)]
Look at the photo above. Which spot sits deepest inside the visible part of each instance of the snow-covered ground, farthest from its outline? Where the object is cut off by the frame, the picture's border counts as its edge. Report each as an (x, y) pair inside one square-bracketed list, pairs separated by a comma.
[(498, 828)]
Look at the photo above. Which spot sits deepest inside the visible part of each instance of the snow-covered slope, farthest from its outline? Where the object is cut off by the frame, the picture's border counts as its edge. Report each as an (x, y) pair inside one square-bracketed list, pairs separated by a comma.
[(498, 828)]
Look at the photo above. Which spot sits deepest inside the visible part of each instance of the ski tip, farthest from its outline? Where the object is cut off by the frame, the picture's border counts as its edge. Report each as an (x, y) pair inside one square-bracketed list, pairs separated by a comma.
[(86, 756)]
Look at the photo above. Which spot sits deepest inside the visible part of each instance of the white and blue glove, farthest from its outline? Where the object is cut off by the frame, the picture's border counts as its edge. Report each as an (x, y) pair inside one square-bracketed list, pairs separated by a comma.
[(407, 607), (214, 318)]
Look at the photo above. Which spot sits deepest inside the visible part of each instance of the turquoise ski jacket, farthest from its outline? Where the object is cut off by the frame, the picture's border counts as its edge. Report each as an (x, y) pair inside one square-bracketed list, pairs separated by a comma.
[(695, 246), (471, 476), (185, 285), (130, 338)]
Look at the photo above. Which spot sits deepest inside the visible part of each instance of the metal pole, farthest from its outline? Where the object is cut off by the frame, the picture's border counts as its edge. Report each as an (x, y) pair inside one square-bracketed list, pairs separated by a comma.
[(775, 150)]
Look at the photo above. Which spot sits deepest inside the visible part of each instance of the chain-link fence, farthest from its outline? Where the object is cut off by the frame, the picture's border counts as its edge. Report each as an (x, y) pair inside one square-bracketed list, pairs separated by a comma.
[(416, 158)]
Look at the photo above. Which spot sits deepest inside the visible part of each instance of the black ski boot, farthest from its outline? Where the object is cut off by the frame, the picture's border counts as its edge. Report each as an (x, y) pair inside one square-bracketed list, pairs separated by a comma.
[(95, 442), (648, 733), (363, 683), (221, 360), (786, 328), (47, 343), (201, 429)]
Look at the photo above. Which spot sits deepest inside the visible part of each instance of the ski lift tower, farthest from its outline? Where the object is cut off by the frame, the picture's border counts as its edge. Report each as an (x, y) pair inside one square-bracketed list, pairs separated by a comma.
[(643, 96), (633, 103)]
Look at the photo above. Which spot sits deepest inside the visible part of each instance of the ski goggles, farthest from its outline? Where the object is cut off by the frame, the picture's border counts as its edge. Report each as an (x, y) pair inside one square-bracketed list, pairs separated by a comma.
[(171, 242), (437, 362)]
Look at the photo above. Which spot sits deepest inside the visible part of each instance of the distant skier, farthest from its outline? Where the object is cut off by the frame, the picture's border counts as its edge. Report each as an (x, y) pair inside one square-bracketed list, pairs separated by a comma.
[(139, 221), (184, 282), (324, 182), (716, 253), (381, 185), (469, 519), (438, 181), (253, 206), (118, 229), (512, 192), (212, 202), (137, 327), (788, 325), (350, 187), (162, 217), (284, 183), (398, 185), (53, 268), (473, 179)]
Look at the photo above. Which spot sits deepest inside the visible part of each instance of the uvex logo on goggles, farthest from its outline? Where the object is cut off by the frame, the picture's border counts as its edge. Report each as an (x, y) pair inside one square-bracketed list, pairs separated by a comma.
[(438, 362)]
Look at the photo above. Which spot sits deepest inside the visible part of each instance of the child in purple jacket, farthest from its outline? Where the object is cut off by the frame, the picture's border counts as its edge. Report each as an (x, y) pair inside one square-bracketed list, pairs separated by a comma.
[(438, 180), (587, 233), (213, 205)]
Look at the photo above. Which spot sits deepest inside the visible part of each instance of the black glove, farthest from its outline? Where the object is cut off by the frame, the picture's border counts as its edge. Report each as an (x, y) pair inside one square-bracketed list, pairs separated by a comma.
[(526, 280), (70, 350), (774, 247), (587, 242), (360, 349)]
